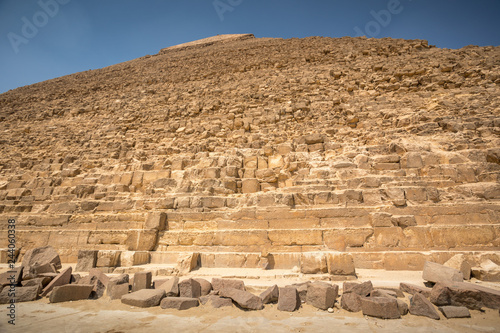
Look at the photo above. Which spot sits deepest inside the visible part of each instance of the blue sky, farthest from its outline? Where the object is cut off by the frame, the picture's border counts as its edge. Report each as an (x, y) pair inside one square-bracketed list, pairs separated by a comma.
[(43, 39)]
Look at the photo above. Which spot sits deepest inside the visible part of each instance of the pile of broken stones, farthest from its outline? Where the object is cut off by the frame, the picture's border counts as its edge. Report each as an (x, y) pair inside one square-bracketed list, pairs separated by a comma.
[(39, 276)]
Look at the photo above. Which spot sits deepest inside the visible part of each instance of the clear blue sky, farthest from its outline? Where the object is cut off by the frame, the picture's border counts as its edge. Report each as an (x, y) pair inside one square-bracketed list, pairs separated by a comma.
[(40, 42)]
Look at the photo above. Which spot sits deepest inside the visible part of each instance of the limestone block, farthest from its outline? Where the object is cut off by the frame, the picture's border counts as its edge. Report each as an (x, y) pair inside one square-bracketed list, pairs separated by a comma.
[(295, 237), (313, 263), (340, 264), (412, 160), (141, 240), (87, 260), (250, 162), (276, 161), (108, 258), (134, 258), (250, 186), (156, 221)]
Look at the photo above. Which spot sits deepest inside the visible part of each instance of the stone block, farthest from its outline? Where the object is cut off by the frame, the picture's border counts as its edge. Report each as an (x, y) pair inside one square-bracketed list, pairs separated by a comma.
[(322, 295), (171, 287), (340, 264), (190, 288), (142, 280), (156, 221), (270, 295), (118, 291), (216, 301), (87, 260), (289, 299), (206, 287), (134, 258), (313, 263), (70, 292), (218, 284), (188, 262), (487, 271), (61, 279), (39, 256), (455, 311), (413, 289), (421, 306), (351, 302), (380, 307), (460, 263), (434, 272), (108, 258), (250, 185), (144, 298), (363, 289), (22, 294), (141, 240), (243, 298), (179, 303)]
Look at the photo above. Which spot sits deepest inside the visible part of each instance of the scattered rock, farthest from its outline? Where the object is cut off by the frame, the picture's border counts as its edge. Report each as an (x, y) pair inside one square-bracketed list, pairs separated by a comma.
[(465, 294), (144, 298), (218, 284), (61, 279), (270, 295), (171, 287), (380, 307), (289, 299), (243, 298), (216, 301), (420, 306), (487, 271), (459, 263), (322, 295), (351, 302), (413, 289), (142, 280), (39, 256), (70, 292), (189, 288), (455, 311), (438, 273), (22, 294), (363, 289), (179, 303), (206, 287)]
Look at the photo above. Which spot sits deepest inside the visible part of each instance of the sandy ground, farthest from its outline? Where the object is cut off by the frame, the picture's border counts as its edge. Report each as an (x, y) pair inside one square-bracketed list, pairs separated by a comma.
[(106, 316)]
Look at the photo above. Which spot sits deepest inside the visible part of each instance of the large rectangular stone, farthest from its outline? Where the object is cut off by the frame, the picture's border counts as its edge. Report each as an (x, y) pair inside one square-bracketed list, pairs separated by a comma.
[(70, 292), (296, 237)]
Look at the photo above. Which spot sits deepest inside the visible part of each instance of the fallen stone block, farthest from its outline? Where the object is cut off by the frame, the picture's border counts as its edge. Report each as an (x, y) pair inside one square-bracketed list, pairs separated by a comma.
[(351, 302), (61, 279), (170, 286), (187, 263), (13, 276), (142, 280), (70, 292), (383, 293), (380, 307), (412, 289), (218, 284), (179, 303), (189, 288), (38, 282), (206, 287), (438, 273), (403, 307), (322, 295), (243, 298), (87, 260), (19, 294), (455, 311), (465, 294), (362, 289), (421, 306), (98, 279), (38, 257), (302, 290), (459, 263), (487, 271), (216, 301), (144, 298), (270, 295), (289, 299), (117, 291)]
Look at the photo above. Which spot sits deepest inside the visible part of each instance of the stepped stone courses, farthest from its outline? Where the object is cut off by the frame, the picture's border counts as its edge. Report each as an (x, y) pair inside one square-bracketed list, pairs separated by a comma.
[(237, 151)]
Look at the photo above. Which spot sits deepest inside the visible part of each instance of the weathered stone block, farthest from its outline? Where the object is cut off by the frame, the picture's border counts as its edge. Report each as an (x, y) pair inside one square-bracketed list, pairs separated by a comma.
[(87, 260), (289, 299), (144, 298), (179, 303), (142, 280), (70, 292), (322, 295)]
